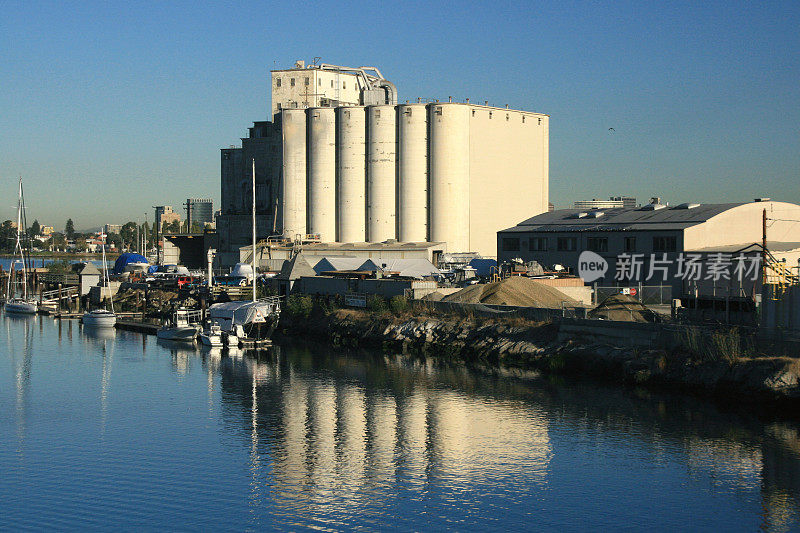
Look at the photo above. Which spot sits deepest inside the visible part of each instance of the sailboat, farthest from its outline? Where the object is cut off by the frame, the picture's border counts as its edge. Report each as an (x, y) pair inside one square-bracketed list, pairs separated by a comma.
[(102, 318), (23, 304), (247, 323)]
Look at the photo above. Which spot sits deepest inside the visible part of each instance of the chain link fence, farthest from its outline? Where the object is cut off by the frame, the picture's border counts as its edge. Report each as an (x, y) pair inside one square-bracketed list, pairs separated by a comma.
[(647, 294)]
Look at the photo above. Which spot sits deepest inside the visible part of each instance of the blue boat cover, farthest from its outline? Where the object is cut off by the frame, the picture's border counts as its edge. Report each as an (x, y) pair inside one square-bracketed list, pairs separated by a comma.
[(124, 259)]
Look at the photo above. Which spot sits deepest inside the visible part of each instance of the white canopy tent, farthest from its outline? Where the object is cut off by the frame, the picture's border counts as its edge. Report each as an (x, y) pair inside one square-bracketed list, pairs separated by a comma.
[(409, 268)]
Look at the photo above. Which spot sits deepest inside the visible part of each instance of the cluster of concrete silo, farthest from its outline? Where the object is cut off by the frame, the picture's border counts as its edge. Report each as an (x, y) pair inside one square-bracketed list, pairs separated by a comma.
[(373, 173)]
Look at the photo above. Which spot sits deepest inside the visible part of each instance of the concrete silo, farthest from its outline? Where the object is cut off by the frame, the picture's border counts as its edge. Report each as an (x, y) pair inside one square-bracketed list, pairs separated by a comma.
[(293, 188), (381, 173), (351, 173), (412, 169), (449, 175), (322, 172)]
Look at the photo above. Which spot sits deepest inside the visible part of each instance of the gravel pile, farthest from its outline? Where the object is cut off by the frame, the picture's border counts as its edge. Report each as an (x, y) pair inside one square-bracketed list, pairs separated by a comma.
[(623, 308), (517, 291)]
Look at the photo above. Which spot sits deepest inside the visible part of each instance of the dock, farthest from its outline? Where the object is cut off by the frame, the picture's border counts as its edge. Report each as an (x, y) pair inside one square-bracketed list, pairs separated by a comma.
[(140, 327)]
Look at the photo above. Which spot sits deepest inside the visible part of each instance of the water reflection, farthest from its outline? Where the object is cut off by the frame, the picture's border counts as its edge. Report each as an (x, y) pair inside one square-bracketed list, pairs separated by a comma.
[(353, 426), (20, 355), (303, 436), (341, 433)]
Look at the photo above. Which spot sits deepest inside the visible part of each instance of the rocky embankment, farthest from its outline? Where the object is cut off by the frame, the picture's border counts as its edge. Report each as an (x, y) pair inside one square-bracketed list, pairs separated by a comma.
[(540, 347)]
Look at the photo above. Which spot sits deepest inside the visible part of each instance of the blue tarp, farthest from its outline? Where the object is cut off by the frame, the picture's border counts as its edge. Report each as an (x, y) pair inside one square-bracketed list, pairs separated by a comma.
[(483, 266), (124, 259)]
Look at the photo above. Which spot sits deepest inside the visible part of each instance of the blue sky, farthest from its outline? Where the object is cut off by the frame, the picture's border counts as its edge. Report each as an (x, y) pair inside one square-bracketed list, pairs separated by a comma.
[(108, 109)]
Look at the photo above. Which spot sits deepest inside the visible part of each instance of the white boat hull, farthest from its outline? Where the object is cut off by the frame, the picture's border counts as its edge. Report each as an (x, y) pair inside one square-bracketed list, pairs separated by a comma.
[(211, 340), (21, 307), (180, 333), (232, 341), (99, 320)]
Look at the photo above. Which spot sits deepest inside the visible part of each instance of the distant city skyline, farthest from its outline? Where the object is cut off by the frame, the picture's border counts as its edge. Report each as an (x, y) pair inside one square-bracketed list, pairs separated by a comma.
[(109, 110)]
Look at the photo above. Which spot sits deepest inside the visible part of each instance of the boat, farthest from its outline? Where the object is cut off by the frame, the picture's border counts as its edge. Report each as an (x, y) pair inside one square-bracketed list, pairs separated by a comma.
[(99, 318), (231, 337), (183, 326), (102, 318), (247, 321), (19, 304), (212, 336)]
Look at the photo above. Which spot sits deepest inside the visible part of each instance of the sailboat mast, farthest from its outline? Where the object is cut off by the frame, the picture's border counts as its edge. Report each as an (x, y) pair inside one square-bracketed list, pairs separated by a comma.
[(106, 279), (19, 243), (254, 229)]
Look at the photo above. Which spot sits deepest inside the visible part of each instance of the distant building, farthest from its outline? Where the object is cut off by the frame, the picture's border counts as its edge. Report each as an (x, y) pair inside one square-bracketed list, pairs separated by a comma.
[(199, 210), (165, 215), (628, 202), (46, 230), (614, 202), (550, 207), (112, 228), (598, 204)]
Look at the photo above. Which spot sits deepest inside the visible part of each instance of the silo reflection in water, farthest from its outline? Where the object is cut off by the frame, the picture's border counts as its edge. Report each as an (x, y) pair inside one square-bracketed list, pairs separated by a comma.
[(325, 438)]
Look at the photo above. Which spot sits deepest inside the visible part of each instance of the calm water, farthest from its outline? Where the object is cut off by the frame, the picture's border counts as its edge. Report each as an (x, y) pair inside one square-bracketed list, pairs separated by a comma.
[(119, 431), (37, 262)]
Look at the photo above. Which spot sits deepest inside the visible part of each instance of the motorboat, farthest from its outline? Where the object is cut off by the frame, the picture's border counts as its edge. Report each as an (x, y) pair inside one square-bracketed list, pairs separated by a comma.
[(247, 321), (100, 318), (212, 336), (183, 326), (231, 337), (20, 304)]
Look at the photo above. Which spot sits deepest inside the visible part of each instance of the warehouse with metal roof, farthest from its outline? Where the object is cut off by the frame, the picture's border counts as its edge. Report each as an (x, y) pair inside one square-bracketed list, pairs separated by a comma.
[(666, 233)]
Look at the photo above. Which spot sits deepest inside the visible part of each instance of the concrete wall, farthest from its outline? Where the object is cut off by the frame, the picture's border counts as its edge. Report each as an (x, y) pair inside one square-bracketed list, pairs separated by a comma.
[(508, 171), (337, 286)]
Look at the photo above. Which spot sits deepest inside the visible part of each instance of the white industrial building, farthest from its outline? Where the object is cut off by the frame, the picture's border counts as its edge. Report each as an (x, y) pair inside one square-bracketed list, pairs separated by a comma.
[(343, 163), (659, 233)]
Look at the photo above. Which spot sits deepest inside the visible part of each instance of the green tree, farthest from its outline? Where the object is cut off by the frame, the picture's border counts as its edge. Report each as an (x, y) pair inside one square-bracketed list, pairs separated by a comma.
[(69, 229), (8, 236), (36, 229), (56, 241), (114, 239), (172, 227), (128, 234)]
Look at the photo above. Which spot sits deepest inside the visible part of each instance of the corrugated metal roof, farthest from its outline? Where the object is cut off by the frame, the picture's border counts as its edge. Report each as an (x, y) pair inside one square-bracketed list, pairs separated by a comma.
[(622, 219)]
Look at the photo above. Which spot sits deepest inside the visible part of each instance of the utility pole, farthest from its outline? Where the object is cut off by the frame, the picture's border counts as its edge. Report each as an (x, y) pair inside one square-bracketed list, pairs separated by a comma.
[(188, 215)]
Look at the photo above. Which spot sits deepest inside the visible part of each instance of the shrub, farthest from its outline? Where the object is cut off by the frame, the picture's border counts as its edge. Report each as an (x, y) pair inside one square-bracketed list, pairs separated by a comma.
[(299, 306), (60, 266), (721, 344), (328, 306), (263, 291), (377, 304), (398, 304)]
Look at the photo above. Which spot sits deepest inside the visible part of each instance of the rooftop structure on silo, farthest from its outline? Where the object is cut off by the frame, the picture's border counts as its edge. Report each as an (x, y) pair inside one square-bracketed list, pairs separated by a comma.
[(325, 85)]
